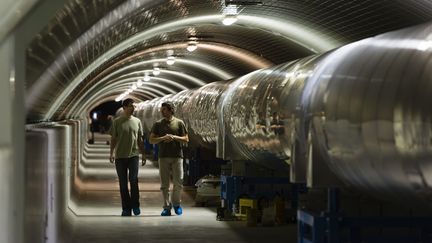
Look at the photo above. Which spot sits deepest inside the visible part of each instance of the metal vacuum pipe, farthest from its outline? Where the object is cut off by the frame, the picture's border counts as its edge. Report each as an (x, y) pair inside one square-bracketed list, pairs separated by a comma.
[(366, 104)]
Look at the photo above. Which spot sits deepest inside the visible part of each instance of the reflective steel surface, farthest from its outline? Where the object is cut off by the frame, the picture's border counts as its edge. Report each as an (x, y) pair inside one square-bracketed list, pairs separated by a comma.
[(370, 106), (200, 113), (365, 104)]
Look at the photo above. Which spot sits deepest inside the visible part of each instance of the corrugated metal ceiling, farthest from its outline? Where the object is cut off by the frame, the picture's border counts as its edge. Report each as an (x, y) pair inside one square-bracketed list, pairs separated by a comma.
[(83, 31)]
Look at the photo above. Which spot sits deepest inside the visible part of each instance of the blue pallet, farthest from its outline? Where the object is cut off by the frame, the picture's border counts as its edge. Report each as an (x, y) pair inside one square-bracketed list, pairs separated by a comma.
[(325, 227)]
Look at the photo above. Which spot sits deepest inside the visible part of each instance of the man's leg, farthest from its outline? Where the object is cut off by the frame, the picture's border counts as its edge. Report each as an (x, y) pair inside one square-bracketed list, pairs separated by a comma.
[(177, 169), (164, 173), (121, 168), (133, 180)]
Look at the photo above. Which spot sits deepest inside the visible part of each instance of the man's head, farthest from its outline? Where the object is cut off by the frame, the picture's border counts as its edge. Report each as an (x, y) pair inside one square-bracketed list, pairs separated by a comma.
[(128, 106), (167, 109)]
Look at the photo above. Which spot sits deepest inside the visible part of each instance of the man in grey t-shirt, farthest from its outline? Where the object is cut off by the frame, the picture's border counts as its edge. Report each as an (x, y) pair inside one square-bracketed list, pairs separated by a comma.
[(169, 133), (126, 141)]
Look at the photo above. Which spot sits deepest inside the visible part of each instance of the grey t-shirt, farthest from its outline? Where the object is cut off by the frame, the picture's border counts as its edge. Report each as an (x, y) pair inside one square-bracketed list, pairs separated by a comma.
[(175, 127), (126, 131)]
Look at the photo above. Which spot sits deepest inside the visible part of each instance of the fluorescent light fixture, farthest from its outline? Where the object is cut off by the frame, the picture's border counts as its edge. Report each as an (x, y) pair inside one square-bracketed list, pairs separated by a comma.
[(230, 9), (120, 97), (230, 12), (170, 60), (156, 71), (192, 46), (229, 19)]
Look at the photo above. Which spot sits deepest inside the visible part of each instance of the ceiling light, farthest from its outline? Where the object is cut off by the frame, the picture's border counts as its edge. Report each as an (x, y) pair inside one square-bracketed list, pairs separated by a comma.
[(156, 71), (146, 78), (139, 83), (230, 9), (230, 12), (134, 87), (170, 60), (192, 46), (229, 19)]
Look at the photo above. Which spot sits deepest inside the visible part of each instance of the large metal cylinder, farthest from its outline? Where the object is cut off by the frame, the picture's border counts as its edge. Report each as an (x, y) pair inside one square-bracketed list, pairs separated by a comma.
[(200, 113), (370, 103), (365, 104)]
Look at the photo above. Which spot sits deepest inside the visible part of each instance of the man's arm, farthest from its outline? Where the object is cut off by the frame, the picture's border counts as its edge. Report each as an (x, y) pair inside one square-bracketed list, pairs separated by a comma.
[(140, 144), (112, 147), (183, 139), (155, 140), (142, 150)]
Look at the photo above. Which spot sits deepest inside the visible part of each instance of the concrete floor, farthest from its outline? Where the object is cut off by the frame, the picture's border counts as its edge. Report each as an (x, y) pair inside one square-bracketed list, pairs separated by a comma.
[(95, 212)]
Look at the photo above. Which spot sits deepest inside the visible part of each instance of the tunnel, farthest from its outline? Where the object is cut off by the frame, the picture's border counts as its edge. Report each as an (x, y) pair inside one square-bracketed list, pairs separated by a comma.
[(310, 120)]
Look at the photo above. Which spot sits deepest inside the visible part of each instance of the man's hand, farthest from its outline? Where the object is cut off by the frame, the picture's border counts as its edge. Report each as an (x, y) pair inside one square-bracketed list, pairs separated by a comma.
[(168, 138), (112, 159), (143, 160)]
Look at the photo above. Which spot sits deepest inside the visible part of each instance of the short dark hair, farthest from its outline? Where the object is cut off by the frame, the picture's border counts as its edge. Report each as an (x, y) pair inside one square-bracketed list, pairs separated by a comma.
[(127, 102), (168, 105)]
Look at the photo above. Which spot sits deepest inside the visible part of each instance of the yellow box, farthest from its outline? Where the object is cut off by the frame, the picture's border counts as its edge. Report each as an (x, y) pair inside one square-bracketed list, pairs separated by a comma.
[(246, 203)]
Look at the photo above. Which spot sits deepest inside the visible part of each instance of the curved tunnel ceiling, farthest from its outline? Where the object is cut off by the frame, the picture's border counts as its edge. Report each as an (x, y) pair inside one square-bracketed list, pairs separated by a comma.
[(92, 45)]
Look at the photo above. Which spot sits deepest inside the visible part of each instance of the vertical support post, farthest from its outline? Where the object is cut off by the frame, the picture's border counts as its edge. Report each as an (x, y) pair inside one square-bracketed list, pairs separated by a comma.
[(319, 230), (300, 231), (333, 200), (294, 195), (333, 215)]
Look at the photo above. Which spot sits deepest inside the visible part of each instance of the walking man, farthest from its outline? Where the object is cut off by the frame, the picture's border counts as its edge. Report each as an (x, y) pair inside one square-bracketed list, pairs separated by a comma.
[(126, 140), (170, 133)]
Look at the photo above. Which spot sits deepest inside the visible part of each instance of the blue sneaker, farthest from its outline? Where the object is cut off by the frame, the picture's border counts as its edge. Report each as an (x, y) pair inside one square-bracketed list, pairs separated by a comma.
[(126, 212), (136, 211), (178, 210), (166, 212)]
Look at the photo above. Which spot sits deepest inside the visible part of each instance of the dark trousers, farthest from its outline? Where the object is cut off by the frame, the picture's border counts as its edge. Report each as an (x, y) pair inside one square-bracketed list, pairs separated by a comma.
[(131, 200)]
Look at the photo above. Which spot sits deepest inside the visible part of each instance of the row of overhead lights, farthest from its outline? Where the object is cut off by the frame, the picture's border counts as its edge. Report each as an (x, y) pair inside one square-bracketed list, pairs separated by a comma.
[(137, 84), (171, 59), (134, 86), (230, 17)]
